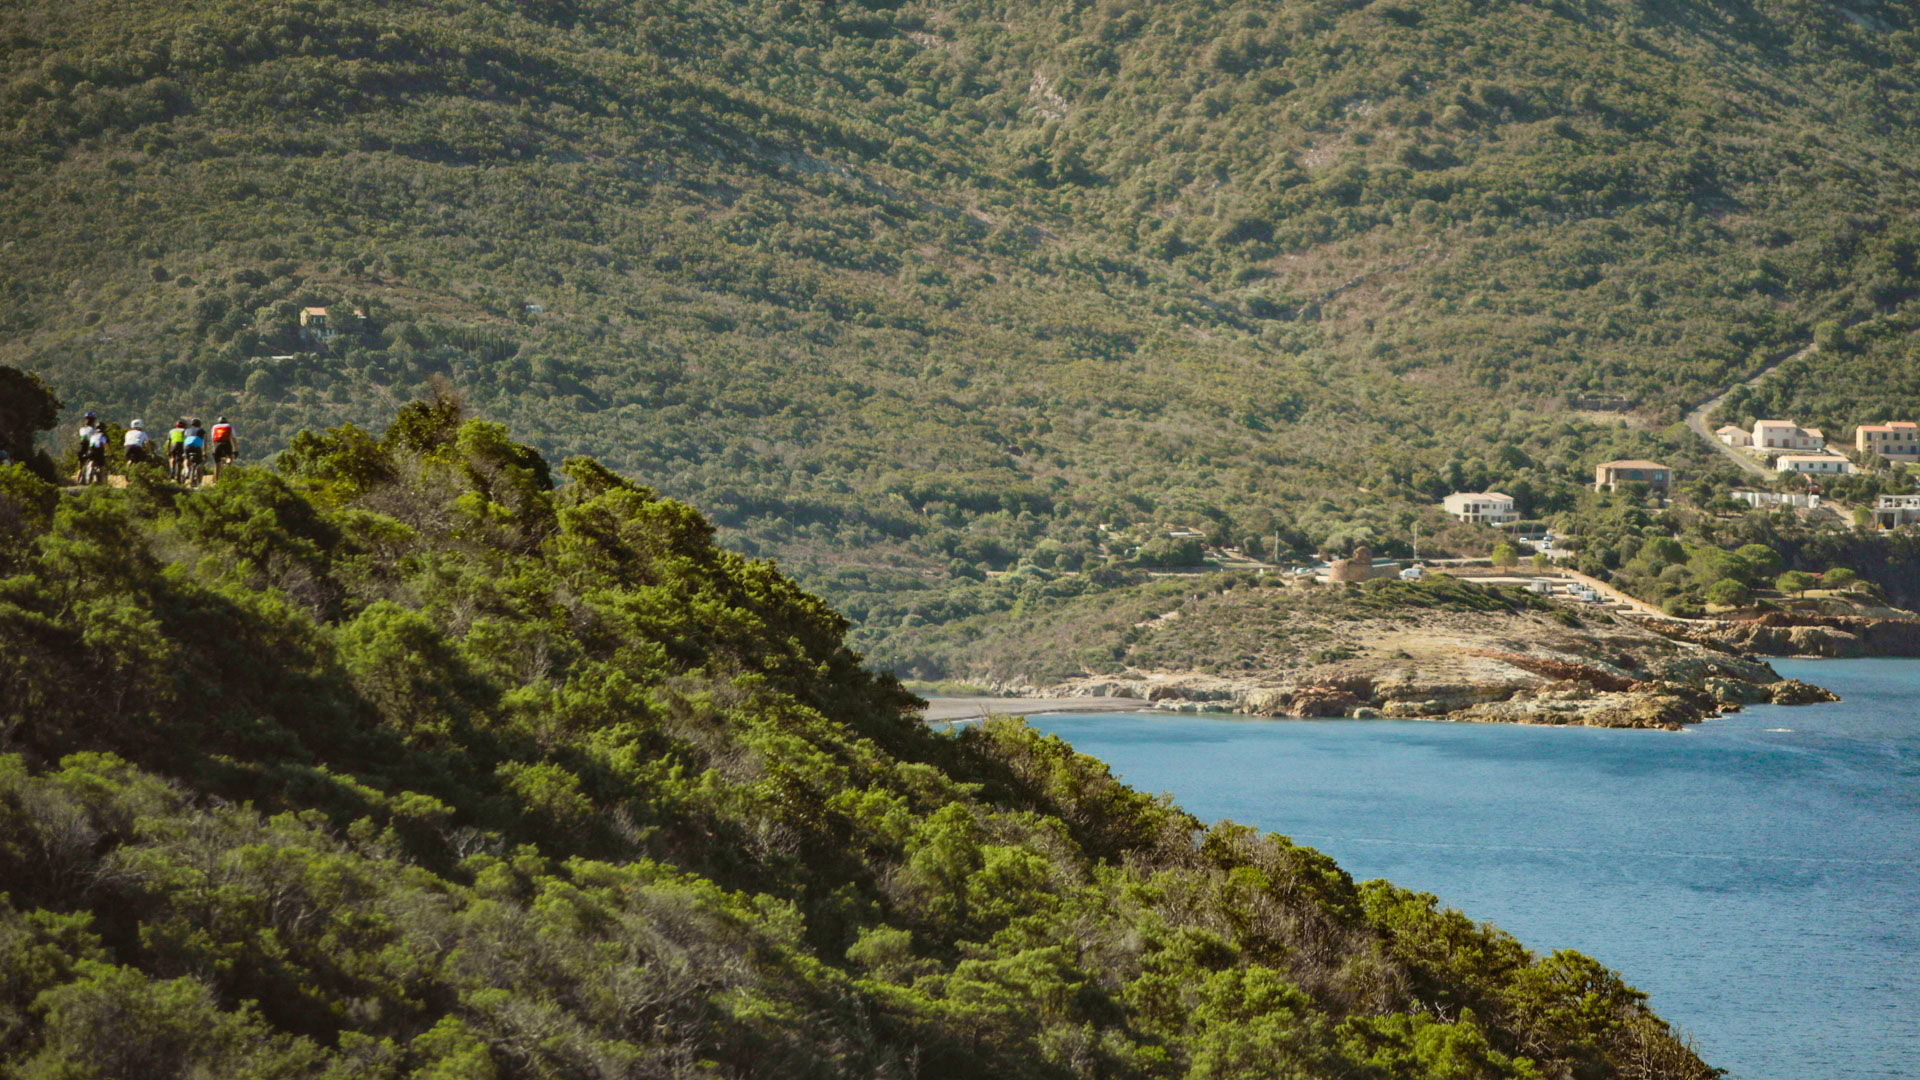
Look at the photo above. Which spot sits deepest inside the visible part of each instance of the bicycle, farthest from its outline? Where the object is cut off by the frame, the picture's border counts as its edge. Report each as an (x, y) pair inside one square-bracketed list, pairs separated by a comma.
[(92, 471), (192, 469), (221, 461)]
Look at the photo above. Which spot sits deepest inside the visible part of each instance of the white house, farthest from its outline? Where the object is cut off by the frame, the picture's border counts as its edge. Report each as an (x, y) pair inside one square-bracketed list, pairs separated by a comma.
[(1481, 507), (1813, 464), (1734, 435), (1786, 435)]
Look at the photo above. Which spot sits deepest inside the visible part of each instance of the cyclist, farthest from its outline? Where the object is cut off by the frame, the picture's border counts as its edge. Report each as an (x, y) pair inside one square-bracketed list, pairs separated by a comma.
[(137, 443), (195, 444), (176, 448), (88, 425), (93, 451), (225, 447)]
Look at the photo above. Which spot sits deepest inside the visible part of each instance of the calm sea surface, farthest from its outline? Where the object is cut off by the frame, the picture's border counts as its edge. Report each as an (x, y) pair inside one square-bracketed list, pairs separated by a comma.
[(1758, 875)]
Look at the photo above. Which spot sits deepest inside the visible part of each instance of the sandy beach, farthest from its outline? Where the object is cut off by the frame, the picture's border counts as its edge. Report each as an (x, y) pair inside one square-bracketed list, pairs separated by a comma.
[(971, 708)]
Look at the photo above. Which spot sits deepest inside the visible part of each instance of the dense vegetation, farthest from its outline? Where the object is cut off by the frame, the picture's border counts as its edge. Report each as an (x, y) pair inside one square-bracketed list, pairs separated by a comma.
[(1864, 373), (1686, 557), (401, 761), (906, 292)]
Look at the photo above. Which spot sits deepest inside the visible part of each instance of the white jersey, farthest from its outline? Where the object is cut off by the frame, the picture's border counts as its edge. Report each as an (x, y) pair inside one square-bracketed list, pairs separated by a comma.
[(137, 437), (87, 432)]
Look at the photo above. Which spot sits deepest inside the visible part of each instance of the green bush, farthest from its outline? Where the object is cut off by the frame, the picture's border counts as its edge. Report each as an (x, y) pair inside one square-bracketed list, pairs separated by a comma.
[(437, 800)]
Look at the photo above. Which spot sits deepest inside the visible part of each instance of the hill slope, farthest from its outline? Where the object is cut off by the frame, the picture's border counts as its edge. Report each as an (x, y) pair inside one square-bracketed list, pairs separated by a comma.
[(399, 762), (904, 292)]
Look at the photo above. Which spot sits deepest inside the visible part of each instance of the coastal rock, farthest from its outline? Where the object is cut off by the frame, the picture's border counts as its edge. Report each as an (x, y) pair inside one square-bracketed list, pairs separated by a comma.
[(1737, 691), (1311, 701), (1521, 669), (1559, 670), (1700, 669), (1413, 700), (1795, 692)]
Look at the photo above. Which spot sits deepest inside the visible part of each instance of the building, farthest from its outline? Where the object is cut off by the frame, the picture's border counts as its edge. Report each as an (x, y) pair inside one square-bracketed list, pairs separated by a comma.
[(1893, 511), (320, 325), (1734, 435), (1813, 464), (1481, 507), (1786, 435), (1611, 474), (1799, 500), (1895, 440)]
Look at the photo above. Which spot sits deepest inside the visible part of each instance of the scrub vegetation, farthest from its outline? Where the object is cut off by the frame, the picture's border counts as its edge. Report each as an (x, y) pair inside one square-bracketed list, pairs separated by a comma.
[(399, 760), (903, 293)]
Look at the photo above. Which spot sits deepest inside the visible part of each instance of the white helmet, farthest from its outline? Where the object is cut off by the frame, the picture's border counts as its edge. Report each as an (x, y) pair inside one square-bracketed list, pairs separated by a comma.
[(136, 425)]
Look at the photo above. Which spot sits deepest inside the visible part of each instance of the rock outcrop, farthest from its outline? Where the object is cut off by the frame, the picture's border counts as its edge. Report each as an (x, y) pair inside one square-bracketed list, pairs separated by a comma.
[(1520, 671), (1828, 636)]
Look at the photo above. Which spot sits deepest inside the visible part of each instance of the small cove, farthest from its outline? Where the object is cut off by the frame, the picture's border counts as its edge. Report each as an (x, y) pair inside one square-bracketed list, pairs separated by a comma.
[(1758, 875)]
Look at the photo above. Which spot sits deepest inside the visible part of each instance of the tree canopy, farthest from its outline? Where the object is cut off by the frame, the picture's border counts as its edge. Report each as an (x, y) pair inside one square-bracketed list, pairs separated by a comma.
[(901, 292), (404, 761)]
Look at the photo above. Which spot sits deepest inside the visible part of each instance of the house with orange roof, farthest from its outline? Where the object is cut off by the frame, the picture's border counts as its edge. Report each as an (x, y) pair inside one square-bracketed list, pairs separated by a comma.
[(1611, 474), (1895, 440)]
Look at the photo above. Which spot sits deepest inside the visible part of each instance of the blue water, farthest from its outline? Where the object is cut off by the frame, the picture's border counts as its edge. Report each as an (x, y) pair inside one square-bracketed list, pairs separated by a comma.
[(1758, 875)]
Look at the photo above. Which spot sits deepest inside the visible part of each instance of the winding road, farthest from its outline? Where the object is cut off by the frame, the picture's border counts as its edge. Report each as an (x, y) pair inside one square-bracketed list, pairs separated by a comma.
[(1697, 419)]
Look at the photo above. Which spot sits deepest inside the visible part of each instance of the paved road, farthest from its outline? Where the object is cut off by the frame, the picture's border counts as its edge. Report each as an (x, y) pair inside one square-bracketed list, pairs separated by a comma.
[(1697, 419)]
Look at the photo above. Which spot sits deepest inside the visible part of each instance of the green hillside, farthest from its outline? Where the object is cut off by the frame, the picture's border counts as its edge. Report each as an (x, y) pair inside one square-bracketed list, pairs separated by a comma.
[(400, 762), (902, 293)]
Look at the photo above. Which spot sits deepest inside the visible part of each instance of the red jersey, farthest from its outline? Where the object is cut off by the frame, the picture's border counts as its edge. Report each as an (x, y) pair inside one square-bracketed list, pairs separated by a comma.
[(222, 432)]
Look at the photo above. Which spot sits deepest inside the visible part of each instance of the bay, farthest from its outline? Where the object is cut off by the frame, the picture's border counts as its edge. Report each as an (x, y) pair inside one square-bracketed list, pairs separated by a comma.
[(1758, 875)]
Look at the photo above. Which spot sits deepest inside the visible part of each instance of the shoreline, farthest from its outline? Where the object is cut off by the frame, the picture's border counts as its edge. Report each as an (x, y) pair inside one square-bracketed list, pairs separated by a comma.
[(1520, 668), (949, 709)]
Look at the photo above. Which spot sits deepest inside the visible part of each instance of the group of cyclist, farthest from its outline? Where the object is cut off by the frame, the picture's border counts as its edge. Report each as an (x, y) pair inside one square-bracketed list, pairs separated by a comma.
[(185, 445)]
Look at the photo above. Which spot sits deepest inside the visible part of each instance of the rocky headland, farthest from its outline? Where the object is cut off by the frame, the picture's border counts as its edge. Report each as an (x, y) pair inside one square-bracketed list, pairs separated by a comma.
[(1526, 667)]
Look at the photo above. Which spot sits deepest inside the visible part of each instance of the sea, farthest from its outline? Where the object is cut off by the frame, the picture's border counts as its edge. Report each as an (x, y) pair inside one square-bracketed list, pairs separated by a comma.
[(1758, 875)]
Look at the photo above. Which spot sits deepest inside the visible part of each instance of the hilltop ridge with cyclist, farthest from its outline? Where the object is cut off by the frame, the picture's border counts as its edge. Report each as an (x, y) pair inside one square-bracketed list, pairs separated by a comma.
[(189, 447)]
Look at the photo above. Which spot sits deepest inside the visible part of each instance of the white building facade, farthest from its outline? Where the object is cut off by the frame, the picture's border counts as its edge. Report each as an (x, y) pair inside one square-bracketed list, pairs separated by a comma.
[(1481, 507), (1786, 435), (1813, 464)]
